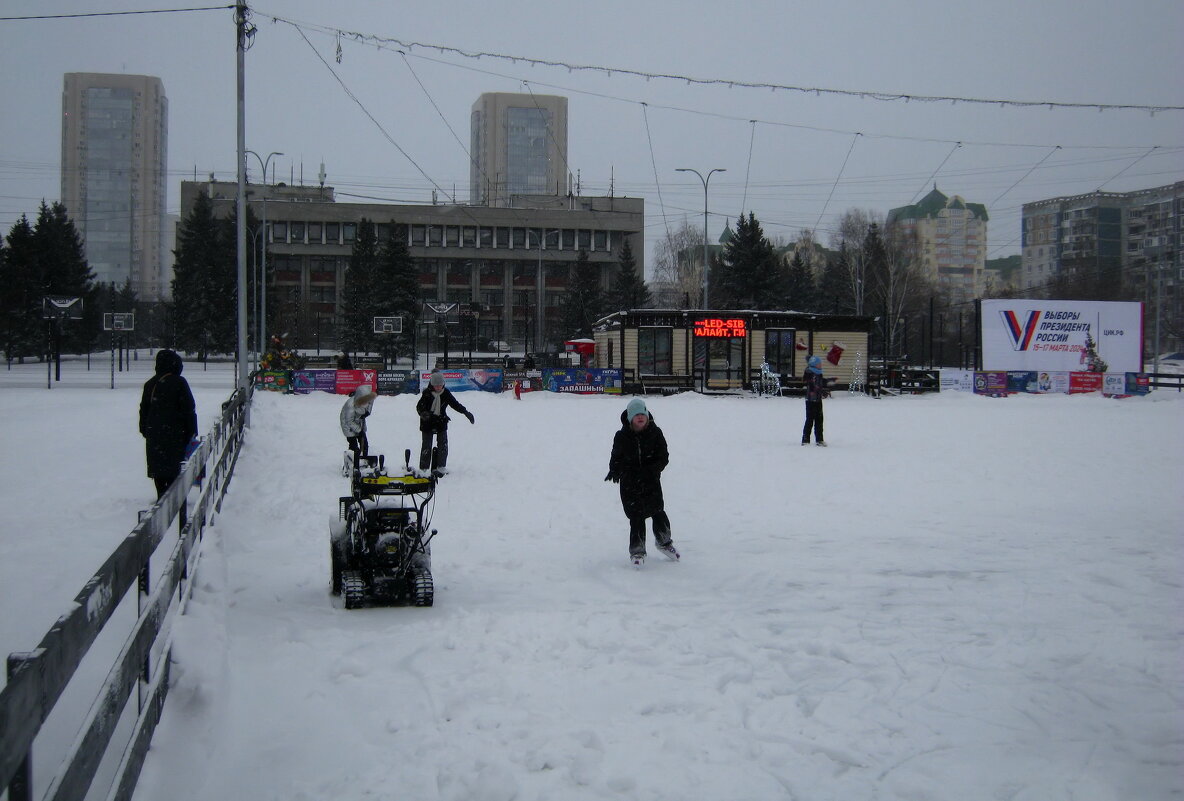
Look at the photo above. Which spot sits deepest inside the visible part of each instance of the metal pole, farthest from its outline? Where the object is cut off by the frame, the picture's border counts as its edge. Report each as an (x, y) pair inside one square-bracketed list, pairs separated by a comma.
[(1158, 302), (263, 164), (538, 299), (706, 181), (240, 18)]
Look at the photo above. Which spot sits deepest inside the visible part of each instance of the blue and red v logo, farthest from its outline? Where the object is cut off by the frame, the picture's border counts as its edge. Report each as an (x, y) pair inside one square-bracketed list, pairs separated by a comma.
[(1021, 336)]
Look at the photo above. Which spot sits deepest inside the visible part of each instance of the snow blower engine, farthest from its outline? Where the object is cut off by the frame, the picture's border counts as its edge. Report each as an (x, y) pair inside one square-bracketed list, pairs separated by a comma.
[(379, 548)]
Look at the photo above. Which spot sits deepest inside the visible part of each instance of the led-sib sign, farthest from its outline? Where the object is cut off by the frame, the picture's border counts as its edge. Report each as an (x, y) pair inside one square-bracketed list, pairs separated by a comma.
[(721, 328)]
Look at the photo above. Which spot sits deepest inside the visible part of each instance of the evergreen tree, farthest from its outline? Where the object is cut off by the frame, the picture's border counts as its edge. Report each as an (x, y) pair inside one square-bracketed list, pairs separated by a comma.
[(584, 302), (20, 301), (204, 283), (751, 275), (801, 293), (629, 289), (62, 270), (357, 324), (396, 286), (834, 287)]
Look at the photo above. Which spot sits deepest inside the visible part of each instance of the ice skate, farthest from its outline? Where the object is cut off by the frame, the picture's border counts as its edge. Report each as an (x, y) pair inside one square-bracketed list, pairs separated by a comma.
[(669, 551)]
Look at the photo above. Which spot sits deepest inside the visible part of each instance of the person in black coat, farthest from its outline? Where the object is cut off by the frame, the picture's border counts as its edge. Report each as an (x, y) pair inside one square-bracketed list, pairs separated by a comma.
[(433, 422), (168, 420), (815, 392), (639, 456)]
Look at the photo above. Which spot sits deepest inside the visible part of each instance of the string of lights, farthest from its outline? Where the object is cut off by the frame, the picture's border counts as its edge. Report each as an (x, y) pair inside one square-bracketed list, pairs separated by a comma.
[(731, 83)]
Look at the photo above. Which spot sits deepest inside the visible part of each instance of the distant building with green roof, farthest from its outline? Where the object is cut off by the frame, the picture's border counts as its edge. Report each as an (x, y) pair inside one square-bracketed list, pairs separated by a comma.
[(951, 239)]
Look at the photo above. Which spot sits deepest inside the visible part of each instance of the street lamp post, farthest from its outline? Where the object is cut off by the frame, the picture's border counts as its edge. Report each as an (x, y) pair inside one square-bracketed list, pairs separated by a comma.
[(263, 164), (705, 182), (540, 285)]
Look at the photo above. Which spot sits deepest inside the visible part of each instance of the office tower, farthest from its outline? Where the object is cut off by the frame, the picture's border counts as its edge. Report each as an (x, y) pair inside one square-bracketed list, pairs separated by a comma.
[(519, 147), (114, 167)]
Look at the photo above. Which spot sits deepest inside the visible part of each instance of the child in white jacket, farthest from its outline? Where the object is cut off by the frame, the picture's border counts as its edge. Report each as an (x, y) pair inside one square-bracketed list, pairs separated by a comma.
[(353, 418)]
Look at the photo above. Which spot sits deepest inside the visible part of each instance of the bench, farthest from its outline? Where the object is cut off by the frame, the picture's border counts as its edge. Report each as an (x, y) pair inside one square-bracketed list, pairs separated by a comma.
[(666, 384)]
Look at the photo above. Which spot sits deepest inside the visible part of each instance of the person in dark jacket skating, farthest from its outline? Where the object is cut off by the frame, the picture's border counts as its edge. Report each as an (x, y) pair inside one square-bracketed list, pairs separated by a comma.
[(639, 456), (815, 391), (168, 420), (433, 422)]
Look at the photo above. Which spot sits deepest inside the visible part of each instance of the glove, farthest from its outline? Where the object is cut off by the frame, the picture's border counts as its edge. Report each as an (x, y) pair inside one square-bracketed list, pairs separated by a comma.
[(470, 416), (613, 477)]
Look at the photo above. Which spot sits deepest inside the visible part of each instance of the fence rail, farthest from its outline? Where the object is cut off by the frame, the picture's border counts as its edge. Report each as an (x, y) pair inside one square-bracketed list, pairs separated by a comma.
[(37, 678)]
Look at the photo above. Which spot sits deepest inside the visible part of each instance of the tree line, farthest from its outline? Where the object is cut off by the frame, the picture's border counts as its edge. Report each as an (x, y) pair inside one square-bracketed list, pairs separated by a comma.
[(44, 258)]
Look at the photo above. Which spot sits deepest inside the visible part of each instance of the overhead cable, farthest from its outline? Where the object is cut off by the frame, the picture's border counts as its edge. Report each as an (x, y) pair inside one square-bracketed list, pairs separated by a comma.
[(731, 83)]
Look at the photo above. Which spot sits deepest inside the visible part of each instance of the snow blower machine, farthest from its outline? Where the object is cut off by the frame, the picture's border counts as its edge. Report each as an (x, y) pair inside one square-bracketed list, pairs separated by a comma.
[(379, 546)]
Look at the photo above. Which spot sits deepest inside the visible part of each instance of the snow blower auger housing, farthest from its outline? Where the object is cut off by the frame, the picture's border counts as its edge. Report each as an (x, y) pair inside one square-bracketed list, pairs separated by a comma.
[(379, 546)]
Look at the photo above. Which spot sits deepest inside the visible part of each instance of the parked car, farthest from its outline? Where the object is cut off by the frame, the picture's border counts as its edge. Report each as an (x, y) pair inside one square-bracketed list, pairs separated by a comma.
[(498, 346), (1169, 362)]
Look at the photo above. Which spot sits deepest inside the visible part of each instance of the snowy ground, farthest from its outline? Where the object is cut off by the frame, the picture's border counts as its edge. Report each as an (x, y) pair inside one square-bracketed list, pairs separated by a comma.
[(961, 598)]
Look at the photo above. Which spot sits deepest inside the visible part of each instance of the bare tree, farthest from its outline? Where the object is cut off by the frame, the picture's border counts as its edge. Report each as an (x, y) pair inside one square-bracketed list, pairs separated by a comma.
[(853, 229), (898, 283), (678, 265)]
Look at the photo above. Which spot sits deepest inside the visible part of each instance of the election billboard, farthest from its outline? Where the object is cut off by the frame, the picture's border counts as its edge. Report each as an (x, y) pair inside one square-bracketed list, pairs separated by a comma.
[(1051, 335)]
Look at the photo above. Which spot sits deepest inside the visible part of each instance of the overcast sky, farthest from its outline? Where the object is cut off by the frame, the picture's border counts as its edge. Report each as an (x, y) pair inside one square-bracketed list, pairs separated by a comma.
[(805, 159)]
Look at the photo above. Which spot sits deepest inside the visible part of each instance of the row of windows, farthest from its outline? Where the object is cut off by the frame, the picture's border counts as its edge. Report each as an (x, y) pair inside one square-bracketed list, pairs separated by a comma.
[(450, 236)]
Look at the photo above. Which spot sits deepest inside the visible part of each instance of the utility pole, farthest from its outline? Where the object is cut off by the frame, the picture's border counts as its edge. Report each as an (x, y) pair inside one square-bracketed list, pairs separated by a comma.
[(244, 32)]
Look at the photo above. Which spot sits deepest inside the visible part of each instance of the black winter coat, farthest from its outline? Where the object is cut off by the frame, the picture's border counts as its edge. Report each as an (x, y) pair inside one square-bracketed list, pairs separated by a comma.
[(168, 417), (437, 422), (638, 459)]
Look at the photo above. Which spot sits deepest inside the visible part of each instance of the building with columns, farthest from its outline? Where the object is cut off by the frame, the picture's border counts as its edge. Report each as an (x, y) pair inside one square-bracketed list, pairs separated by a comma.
[(510, 264)]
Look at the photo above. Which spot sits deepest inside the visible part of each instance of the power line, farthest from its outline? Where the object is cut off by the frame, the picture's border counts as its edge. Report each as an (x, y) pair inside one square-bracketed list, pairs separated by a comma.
[(115, 13), (837, 177), (654, 162), (366, 111), (731, 83), (935, 172), (748, 169)]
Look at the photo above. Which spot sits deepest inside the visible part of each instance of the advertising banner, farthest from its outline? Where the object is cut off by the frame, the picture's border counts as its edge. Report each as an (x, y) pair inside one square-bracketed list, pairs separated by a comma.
[(273, 380), (530, 380), (1137, 384), (305, 381), (1021, 381), (1084, 382), (467, 380), (1114, 384), (584, 381), (396, 382), (993, 383), (1052, 381), (956, 381), (349, 380), (1050, 335)]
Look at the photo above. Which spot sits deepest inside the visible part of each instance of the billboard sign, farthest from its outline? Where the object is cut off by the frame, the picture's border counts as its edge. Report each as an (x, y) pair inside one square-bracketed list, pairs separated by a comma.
[(1050, 335)]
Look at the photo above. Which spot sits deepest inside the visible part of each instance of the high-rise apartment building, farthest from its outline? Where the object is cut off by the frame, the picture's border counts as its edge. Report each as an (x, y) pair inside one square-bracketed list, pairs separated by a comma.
[(114, 168), (951, 240), (518, 147), (1128, 244)]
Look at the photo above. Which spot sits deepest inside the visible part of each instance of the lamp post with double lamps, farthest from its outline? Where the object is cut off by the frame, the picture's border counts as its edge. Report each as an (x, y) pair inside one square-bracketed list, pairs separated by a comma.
[(705, 181), (263, 164)]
